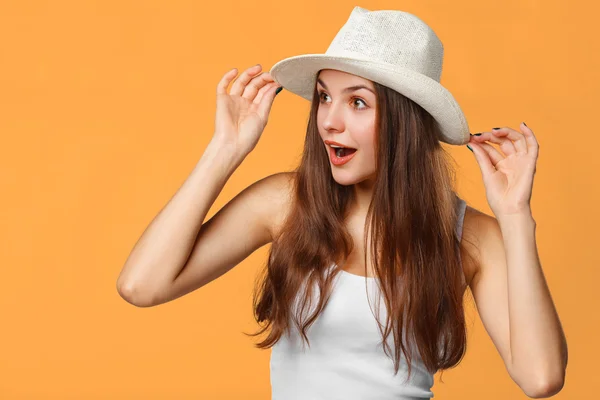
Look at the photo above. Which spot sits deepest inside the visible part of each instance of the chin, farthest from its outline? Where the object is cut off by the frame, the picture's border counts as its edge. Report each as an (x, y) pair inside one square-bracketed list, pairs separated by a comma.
[(345, 178)]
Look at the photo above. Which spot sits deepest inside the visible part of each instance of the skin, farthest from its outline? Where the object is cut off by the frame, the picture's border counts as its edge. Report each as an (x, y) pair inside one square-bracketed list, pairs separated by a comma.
[(349, 118)]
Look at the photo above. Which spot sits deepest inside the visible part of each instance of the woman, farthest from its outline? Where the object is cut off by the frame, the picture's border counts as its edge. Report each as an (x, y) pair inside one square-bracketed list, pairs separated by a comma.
[(372, 164)]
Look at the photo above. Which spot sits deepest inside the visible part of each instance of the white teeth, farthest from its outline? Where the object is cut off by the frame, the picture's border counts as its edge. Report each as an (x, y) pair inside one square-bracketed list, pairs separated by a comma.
[(336, 147)]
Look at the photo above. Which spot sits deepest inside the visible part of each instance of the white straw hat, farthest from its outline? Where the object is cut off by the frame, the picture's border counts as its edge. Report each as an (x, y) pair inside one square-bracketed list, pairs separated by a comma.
[(393, 48)]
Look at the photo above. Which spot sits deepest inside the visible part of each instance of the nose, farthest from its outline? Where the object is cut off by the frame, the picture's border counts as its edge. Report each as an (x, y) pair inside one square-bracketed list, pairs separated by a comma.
[(333, 120)]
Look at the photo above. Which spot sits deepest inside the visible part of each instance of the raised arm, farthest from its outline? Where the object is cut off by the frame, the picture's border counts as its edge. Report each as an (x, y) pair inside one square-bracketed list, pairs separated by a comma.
[(177, 253)]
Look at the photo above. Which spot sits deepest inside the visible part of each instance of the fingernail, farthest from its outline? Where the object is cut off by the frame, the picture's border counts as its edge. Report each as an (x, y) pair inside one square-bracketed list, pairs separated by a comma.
[(496, 128), (279, 89), (477, 134), (469, 147), (524, 123)]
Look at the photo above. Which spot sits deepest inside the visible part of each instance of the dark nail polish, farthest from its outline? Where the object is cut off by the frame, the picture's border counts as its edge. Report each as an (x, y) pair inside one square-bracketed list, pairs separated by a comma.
[(496, 128), (279, 89), (469, 147), (477, 134), (524, 123)]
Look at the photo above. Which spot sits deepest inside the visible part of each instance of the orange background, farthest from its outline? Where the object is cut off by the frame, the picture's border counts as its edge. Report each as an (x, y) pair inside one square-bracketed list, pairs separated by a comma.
[(106, 107)]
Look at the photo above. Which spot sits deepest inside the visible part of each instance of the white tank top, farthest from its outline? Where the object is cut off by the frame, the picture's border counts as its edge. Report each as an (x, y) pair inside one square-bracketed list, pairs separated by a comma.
[(345, 359)]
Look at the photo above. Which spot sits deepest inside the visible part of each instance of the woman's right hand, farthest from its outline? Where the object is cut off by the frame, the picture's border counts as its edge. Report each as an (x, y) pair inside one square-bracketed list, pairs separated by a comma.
[(242, 114)]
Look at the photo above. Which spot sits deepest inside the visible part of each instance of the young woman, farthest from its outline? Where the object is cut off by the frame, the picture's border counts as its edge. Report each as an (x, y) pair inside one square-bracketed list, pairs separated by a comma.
[(369, 217)]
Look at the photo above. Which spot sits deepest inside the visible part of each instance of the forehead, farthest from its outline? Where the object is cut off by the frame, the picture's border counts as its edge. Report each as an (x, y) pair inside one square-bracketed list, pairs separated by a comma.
[(336, 77)]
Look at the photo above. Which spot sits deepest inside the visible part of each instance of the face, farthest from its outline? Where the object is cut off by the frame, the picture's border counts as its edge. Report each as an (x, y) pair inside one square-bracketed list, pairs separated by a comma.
[(348, 116)]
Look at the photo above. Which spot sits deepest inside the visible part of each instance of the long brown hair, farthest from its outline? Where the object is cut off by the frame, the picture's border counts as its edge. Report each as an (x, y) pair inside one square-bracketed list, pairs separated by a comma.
[(412, 217)]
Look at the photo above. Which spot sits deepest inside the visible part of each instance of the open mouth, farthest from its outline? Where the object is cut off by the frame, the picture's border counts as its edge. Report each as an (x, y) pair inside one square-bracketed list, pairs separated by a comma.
[(343, 152), (340, 156)]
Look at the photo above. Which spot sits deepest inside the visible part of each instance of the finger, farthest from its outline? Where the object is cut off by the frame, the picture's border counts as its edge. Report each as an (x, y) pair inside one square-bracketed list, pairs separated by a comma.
[(262, 92), (241, 82), (494, 155), (485, 165), (532, 143), (255, 84), (506, 144), (517, 137), (225, 80), (264, 108)]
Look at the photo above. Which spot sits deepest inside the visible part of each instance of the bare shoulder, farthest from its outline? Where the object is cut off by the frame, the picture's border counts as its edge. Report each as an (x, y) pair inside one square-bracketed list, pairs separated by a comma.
[(281, 189), (477, 226)]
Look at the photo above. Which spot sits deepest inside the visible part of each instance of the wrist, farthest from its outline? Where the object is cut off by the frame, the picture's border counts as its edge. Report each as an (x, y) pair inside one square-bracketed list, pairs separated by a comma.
[(226, 149), (224, 154), (517, 221)]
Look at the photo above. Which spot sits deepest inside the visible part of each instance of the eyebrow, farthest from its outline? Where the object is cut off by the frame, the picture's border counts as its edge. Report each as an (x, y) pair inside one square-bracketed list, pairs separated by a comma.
[(348, 89)]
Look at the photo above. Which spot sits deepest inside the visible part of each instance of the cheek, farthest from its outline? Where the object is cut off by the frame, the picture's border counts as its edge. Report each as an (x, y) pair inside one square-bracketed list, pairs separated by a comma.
[(366, 139)]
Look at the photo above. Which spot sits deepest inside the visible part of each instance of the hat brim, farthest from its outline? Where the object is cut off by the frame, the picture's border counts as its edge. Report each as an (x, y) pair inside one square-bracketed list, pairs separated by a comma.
[(298, 74)]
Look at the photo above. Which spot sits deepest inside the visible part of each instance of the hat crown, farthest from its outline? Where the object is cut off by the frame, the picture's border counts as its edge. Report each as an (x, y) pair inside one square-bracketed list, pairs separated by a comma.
[(390, 37)]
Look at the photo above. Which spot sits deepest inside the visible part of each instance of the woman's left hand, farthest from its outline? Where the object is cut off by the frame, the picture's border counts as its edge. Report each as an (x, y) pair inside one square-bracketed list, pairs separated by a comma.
[(508, 178)]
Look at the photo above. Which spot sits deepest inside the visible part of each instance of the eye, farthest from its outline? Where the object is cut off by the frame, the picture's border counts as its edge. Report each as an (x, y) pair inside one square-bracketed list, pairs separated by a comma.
[(321, 95), (354, 99), (361, 100)]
